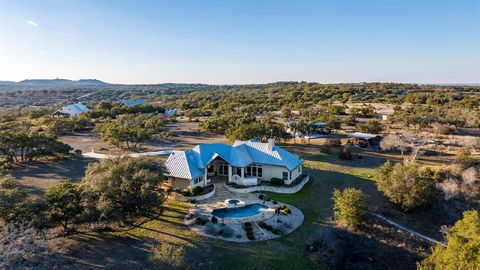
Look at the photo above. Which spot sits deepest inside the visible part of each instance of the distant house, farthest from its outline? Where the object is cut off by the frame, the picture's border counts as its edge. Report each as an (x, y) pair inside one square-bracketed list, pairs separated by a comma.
[(71, 110), (244, 163), (318, 131), (171, 113), (130, 103)]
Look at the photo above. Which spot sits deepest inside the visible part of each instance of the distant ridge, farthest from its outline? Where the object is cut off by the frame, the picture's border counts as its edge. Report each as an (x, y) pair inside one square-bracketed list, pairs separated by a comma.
[(55, 82)]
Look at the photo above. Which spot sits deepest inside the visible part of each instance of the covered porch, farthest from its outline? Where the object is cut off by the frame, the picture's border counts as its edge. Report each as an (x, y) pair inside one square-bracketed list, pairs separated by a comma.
[(220, 170)]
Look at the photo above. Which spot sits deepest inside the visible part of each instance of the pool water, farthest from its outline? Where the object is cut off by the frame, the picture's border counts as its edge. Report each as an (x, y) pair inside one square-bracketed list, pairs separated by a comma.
[(239, 212), (234, 202)]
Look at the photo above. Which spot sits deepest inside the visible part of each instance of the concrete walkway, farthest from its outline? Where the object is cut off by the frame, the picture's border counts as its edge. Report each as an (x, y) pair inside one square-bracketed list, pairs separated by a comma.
[(393, 223)]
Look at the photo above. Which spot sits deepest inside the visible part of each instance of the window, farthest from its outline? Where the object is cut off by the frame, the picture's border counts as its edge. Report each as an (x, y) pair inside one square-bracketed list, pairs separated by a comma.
[(285, 176), (254, 170), (299, 168), (198, 180), (210, 168), (223, 168)]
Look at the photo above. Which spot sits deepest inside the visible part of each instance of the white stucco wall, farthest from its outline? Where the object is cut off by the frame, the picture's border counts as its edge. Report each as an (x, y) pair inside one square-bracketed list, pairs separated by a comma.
[(295, 173), (269, 172)]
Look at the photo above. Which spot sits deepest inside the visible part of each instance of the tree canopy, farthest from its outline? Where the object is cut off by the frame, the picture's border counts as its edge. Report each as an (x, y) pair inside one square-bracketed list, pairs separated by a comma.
[(123, 187), (463, 246), (350, 207), (406, 185)]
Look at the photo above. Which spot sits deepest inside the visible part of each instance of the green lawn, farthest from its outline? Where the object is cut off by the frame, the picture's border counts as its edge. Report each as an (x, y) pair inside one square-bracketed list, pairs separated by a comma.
[(176, 246)]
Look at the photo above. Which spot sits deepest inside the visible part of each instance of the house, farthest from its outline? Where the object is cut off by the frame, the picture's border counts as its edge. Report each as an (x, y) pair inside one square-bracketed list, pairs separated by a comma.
[(244, 163), (71, 110), (317, 129), (130, 103), (171, 113)]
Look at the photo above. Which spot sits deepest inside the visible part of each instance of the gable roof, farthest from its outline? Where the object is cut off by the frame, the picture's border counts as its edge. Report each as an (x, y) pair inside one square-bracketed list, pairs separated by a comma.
[(129, 103), (183, 164), (74, 109), (190, 164)]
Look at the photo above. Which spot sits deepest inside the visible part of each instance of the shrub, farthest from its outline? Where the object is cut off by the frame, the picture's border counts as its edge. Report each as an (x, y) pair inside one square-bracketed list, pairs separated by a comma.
[(350, 207), (405, 185), (464, 158), (11, 197), (332, 142), (275, 231), (372, 126), (226, 231), (261, 196), (450, 188), (24, 247), (212, 229), (329, 248), (444, 129), (197, 191), (277, 181), (201, 221), (168, 255), (345, 153), (463, 244), (250, 237), (471, 183), (63, 203), (262, 224)]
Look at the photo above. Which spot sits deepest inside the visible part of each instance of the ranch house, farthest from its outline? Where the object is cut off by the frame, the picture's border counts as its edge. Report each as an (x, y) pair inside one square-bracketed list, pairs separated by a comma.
[(245, 163)]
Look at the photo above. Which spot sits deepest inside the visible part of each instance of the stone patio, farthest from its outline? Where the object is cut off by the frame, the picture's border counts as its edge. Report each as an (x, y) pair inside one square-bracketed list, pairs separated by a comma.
[(285, 223)]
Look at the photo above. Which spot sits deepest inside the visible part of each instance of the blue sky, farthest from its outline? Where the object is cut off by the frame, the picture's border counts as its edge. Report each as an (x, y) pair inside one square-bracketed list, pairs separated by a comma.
[(241, 41)]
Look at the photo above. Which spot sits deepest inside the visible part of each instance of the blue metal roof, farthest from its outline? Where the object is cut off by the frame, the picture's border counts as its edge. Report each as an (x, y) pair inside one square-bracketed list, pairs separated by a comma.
[(129, 103), (190, 164)]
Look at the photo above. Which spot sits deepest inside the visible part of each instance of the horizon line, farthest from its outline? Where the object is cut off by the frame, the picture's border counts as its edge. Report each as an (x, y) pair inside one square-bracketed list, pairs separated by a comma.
[(258, 83)]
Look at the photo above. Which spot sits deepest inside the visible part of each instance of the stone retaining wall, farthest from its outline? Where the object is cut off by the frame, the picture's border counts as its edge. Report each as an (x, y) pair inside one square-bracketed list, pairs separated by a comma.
[(182, 198), (285, 190)]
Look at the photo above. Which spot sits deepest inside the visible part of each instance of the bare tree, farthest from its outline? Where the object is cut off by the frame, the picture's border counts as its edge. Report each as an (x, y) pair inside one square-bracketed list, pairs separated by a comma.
[(471, 183), (407, 140), (393, 142)]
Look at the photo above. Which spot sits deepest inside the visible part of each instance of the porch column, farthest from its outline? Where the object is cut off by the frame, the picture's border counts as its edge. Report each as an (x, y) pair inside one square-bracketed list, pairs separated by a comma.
[(205, 178), (242, 172), (229, 173)]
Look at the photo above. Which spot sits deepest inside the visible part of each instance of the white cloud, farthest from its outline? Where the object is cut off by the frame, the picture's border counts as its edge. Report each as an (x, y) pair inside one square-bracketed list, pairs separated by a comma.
[(32, 23)]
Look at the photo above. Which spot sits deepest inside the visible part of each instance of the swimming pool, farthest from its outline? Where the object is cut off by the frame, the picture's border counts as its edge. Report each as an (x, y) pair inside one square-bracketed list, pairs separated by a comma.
[(239, 212)]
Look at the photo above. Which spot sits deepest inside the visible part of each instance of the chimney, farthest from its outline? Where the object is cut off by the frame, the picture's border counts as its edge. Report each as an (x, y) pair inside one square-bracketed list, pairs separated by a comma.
[(271, 144)]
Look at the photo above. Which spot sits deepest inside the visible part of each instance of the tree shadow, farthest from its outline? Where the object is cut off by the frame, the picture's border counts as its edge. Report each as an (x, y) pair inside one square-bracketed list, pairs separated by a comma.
[(338, 248)]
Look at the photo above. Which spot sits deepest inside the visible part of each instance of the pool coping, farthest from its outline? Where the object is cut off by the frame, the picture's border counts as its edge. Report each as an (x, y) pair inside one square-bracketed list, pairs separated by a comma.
[(253, 218), (297, 216)]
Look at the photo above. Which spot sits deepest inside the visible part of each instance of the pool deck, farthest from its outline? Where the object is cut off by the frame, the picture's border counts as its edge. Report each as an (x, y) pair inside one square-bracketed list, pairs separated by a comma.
[(204, 208)]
